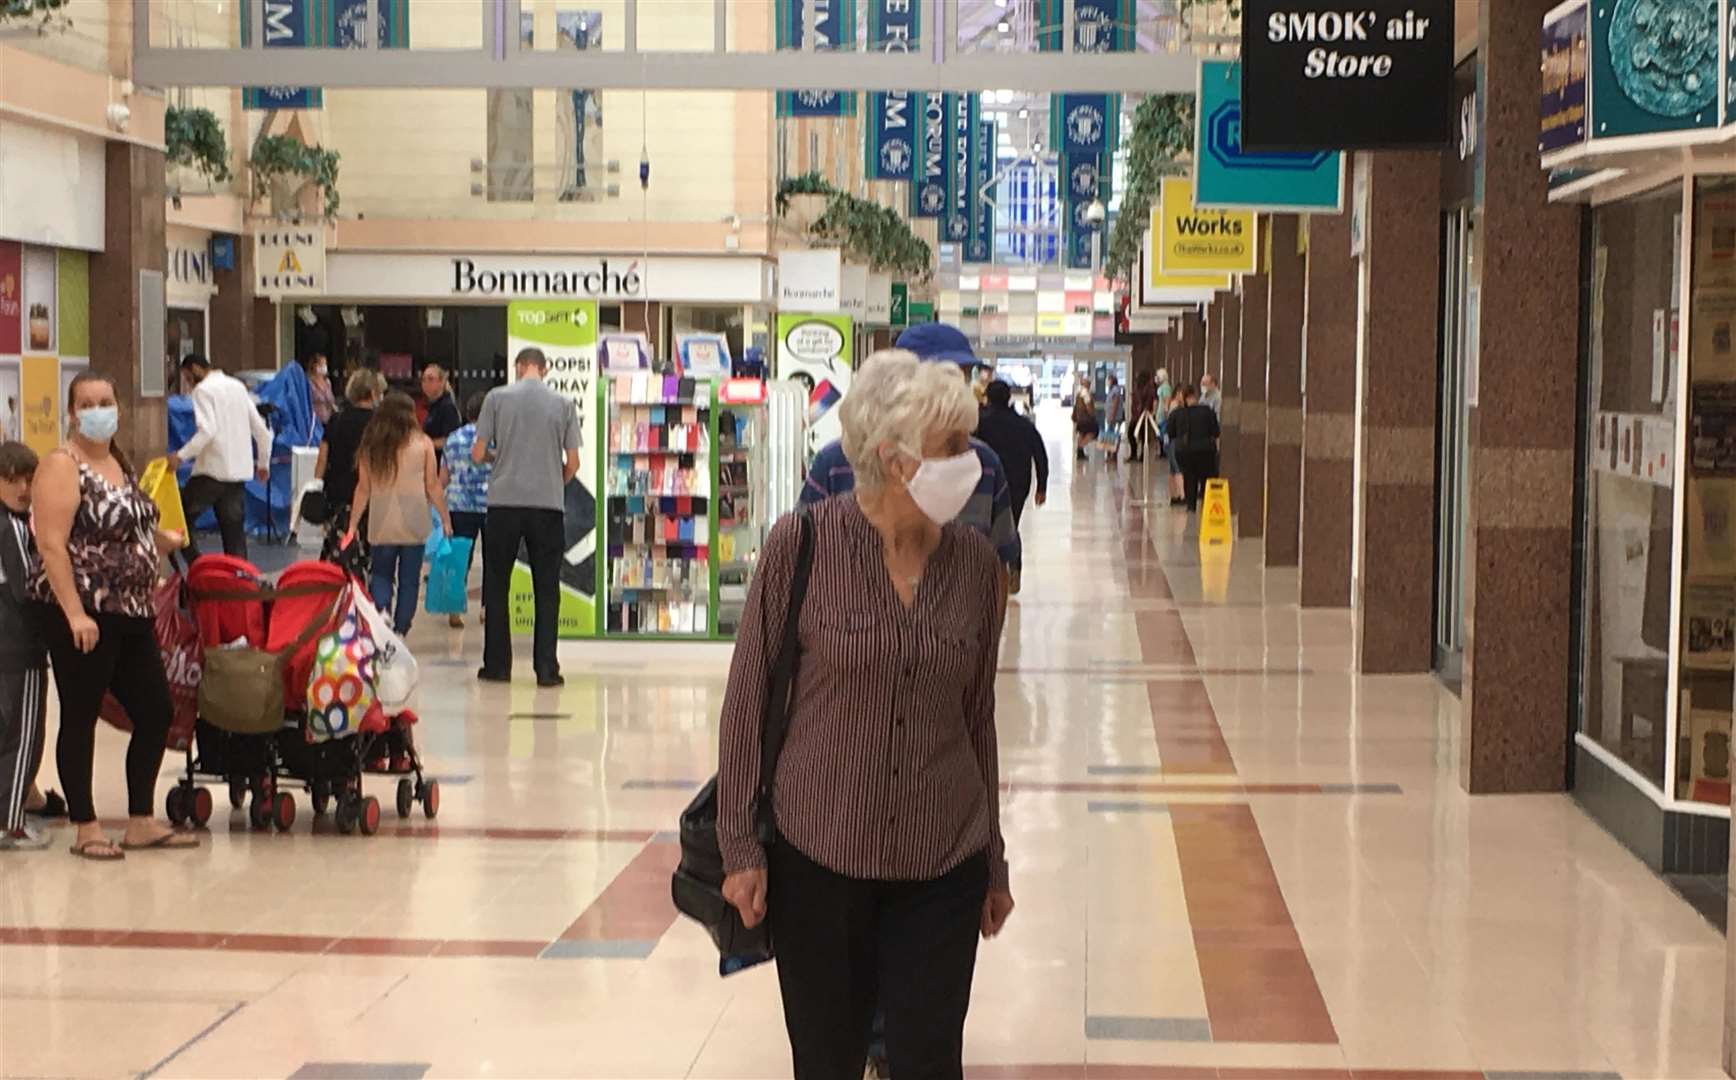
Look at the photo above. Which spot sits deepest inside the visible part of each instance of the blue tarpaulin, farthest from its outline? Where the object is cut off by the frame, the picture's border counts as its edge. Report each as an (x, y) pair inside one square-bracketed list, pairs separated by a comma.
[(292, 424)]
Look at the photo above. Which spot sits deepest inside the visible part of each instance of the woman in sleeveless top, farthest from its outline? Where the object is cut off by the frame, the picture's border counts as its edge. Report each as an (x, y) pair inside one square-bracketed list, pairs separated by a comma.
[(397, 482), (100, 544)]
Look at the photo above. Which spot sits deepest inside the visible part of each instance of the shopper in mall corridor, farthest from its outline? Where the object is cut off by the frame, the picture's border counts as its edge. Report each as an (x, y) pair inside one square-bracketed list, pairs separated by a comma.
[(531, 434), (319, 386), (1015, 440), (890, 862), (336, 467), (398, 489), (99, 543), (231, 444), (1210, 395), (990, 509), (439, 406), (1193, 428)]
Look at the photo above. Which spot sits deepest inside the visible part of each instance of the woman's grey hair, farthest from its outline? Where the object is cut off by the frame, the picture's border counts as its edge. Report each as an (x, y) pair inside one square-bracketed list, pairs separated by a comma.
[(1162, 376), (898, 400)]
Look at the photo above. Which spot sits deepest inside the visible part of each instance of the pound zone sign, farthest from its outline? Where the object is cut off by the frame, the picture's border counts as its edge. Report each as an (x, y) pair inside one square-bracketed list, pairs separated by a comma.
[(1335, 77), (289, 261)]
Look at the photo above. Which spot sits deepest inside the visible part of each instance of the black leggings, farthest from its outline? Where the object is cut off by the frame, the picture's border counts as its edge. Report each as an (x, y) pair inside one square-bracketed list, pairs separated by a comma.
[(125, 663)]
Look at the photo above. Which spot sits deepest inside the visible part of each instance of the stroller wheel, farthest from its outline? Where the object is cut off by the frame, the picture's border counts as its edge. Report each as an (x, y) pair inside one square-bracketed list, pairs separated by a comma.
[(259, 812), (283, 811), (431, 800), (321, 794), (202, 807), (406, 797), (349, 810), (370, 816), (175, 806), (237, 793)]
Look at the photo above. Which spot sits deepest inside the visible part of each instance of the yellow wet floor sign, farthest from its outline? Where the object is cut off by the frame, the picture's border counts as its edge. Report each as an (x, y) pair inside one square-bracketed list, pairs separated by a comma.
[(1215, 514)]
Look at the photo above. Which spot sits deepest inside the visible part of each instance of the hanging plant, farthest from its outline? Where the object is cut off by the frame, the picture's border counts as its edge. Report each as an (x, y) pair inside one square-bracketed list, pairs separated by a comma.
[(195, 140), (277, 157), (1159, 145), (810, 183), (874, 234), (45, 14)]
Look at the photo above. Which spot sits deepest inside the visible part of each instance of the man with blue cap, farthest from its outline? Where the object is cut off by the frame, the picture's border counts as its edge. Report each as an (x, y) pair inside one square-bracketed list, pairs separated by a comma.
[(990, 509)]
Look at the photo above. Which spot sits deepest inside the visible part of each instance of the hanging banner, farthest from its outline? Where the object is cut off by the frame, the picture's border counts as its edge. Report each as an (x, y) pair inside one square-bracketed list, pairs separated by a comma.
[(349, 21), (289, 24), (834, 28), (960, 154), (894, 26), (814, 351), (980, 247), (1191, 240), (566, 332), (900, 311), (1375, 77), (931, 194), (1083, 175), (1099, 26), (1227, 177), (1653, 76), (39, 403), (1084, 124), (1566, 64), (892, 135)]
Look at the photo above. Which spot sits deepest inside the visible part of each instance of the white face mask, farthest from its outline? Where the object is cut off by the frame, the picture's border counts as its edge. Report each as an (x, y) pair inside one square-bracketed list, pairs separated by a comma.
[(942, 486)]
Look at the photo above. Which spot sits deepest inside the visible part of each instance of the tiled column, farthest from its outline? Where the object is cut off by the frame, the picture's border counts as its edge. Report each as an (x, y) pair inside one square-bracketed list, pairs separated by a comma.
[(1228, 367), (133, 240), (1248, 483), (1195, 343), (1284, 395), (1400, 282), (1328, 412), (1519, 543), (243, 326)]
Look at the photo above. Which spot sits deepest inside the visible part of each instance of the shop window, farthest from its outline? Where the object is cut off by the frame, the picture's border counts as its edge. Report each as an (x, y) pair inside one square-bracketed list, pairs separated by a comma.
[(1629, 486)]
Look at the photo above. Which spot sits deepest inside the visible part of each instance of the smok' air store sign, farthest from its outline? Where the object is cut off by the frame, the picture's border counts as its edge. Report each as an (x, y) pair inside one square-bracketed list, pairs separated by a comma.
[(1195, 241)]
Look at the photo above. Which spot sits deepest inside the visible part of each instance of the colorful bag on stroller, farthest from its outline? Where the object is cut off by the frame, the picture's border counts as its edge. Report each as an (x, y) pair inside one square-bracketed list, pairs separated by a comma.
[(340, 692)]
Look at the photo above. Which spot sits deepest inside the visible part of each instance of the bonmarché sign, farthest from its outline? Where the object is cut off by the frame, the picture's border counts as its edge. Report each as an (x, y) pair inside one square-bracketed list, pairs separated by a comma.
[(1319, 76), (599, 279)]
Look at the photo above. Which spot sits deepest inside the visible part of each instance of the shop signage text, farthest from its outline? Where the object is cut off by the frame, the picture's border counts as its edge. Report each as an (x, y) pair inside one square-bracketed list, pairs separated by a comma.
[(289, 261), (1319, 77), (1195, 241), (190, 266), (1566, 63), (603, 279), (1227, 176)]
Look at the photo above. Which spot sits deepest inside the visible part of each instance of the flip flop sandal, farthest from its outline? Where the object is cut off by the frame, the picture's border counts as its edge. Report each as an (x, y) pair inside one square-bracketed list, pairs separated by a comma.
[(85, 850), (169, 841)]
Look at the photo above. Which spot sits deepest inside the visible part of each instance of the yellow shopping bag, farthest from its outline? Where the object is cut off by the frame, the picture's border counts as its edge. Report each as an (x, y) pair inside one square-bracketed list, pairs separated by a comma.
[(161, 484)]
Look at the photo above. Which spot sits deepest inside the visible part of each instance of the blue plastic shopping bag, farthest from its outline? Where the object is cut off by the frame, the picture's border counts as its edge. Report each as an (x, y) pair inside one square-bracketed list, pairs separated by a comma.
[(448, 572), (435, 538)]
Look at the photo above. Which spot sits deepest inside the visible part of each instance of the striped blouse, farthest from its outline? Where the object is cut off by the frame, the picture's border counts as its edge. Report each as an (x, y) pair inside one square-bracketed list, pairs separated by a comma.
[(889, 769)]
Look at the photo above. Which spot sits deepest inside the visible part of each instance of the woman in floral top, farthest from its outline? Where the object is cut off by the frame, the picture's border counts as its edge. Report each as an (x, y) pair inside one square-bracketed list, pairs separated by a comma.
[(466, 484), (100, 544)]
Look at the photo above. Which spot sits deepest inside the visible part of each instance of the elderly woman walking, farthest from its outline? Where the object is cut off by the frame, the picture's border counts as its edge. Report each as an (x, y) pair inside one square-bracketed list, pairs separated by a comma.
[(889, 862)]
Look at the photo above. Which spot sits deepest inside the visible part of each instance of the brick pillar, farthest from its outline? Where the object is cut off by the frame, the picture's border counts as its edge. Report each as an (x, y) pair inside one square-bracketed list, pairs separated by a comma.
[(1228, 360), (1328, 412), (1248, 482), (1195, 322), (243, 325), (1519, 543), (1284, 396), (1398, 319), (134, 239)]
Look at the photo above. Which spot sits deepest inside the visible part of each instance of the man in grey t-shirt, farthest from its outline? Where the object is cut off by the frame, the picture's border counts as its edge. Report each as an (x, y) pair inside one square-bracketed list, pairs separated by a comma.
[(531, 434)]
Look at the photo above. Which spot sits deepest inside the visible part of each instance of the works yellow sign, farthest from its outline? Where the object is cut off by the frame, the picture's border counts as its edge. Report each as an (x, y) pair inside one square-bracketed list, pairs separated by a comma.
[(1195, 241)]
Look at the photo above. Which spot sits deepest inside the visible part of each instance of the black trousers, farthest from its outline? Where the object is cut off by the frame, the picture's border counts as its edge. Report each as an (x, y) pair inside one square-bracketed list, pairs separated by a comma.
[(125, 663), (469, 524), (845, 944), (23, 708), (541, 533), (1196, 469), (229, 499)]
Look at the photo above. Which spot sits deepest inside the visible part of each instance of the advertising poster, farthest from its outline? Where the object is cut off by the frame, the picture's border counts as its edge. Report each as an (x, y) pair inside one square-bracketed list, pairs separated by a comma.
[(834, 27), (1227, 177), (1566, 62), (1714, 239), (11, 298), (566, 332), (1653, 70), (1709, 613), (39, 402), (1712, 353), (41, 283), (1711, 527), (1712, 423), (1195, 241), (814, 352)]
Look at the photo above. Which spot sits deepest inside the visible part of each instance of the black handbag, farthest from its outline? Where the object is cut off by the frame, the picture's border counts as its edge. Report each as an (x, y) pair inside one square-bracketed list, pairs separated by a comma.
[(697, 884)]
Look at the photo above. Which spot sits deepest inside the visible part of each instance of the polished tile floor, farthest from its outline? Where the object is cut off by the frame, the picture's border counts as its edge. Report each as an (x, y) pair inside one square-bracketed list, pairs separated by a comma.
[(1232, 857)]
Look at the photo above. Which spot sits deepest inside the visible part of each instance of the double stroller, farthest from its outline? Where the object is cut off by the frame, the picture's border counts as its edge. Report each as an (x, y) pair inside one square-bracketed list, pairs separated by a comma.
[(333, 730)]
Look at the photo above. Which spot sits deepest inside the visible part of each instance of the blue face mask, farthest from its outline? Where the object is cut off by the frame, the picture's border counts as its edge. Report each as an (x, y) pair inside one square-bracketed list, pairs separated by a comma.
[(99, 424)]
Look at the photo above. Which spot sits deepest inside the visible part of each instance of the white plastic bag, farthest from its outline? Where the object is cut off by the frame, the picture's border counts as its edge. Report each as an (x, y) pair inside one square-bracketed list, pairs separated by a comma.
[(395, 669)]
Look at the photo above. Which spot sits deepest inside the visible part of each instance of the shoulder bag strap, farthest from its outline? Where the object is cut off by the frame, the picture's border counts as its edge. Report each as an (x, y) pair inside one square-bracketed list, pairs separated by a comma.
[(776, 718)]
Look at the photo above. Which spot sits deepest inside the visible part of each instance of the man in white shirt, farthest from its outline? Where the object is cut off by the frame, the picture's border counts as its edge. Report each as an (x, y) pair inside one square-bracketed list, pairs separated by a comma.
[(232, 443)]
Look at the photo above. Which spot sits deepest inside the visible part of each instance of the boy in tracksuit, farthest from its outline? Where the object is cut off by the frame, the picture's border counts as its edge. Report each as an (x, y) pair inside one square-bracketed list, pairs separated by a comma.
[(23, 660)]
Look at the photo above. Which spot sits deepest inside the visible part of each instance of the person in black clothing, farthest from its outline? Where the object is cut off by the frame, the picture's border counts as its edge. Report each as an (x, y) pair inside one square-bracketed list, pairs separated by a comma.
[(337, 453), (1021, 450), (443, 416), (1194, 427)]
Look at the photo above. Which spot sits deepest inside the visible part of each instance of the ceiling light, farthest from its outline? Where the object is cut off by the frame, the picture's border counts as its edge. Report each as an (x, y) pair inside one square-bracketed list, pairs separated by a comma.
[(1024, 114), (1004, 26), (1004, 97)]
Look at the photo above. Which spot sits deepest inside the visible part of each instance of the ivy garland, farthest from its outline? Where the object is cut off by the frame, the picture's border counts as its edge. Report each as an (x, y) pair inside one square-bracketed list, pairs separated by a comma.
[(1159, 145), (276, 156), (46, 14), (195, 140), (867, 231)]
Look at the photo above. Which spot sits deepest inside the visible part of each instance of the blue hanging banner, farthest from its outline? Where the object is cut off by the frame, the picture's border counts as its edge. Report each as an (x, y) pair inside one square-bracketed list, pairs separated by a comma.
[(348, 17), (1085, 176), (1085, 125), (289, 24), (980, 246), (834, 29), (931, 194), (892, 135), (1099, 26), (961, 137)]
